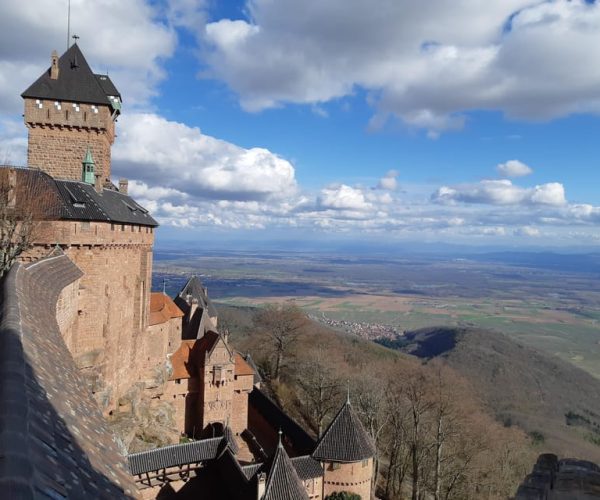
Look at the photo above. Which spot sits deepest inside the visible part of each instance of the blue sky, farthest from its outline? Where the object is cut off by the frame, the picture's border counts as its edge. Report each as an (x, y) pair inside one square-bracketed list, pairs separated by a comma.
[(347, 119)]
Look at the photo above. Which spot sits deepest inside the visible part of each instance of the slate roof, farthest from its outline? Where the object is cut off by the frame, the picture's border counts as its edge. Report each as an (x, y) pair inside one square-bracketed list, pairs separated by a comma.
[(182, 454), (81, 201), (345, 440), (74, 200), (299, 439), (76, 82), (176, 455), (307, 467), (194, 288), (54, 442), (283, 482)]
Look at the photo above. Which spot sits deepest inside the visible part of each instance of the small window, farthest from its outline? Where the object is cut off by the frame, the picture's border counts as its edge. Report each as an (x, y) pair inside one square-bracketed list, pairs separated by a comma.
[(335, 466), (365, 462), (112, 227), (178, 381), (122, 227), (85, 226), (66, 114)]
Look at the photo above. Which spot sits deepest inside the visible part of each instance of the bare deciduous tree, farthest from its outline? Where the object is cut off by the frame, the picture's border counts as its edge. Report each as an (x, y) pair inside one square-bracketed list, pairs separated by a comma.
[(319, 390), (282, 325), (23, 204)]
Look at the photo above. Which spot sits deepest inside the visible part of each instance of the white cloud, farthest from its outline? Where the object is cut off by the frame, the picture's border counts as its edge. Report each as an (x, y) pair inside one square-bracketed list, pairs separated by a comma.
[(343, 197), (502, 192), (514, 168), (13, 142), (389, 181), (164, 153), (426, 66)]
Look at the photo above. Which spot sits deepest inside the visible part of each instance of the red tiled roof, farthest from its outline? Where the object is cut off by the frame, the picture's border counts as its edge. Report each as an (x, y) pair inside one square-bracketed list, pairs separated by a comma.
[(182, 361), (241, 367), (162, 309)]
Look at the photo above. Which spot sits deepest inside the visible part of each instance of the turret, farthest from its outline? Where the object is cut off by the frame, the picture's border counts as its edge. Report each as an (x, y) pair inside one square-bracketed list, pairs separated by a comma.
[(346, 452), (88, 168), (282, 478)]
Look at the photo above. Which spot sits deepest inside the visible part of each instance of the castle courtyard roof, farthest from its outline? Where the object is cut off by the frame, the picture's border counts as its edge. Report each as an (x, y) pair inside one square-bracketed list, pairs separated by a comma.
[(54, 442), (76, 82), (345, 440), (299, 442)]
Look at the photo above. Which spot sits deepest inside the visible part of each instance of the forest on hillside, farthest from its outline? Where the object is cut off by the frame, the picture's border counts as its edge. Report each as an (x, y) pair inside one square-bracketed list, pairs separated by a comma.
[(433, 435)]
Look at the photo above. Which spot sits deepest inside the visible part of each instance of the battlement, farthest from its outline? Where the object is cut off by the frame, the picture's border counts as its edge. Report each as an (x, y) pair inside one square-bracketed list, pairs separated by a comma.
[(51, 113)]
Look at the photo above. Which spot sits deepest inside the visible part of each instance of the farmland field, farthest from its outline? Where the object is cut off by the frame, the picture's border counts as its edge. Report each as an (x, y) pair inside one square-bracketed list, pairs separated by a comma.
[(549, 307)]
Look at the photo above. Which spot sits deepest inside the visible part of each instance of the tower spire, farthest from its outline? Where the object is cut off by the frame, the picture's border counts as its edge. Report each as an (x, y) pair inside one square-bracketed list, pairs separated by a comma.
[(68, 23), (88, 168)]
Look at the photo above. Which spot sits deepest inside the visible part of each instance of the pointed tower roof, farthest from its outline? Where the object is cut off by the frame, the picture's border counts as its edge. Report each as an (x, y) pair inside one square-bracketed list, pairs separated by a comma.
[(283, 482), (345, 440), (76, 82), (88, 165), (194, 288), (88, 156)]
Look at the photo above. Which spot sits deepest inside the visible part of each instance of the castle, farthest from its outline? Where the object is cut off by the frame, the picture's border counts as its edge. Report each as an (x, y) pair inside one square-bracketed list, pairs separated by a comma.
[(79, 327)]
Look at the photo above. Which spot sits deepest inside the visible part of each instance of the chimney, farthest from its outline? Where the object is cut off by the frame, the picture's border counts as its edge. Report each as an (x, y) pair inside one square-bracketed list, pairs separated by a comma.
[(54, 66), (261, 485), (193, 307), (98, 183), (123, 186), (12, 188)]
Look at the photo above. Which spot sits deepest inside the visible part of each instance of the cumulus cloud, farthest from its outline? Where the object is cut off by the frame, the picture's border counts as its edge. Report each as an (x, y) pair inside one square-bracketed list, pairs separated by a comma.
[(124, 38), (343, 197), (501, 192), (514, 168), (425, 66), (173, 155), (389, 181)]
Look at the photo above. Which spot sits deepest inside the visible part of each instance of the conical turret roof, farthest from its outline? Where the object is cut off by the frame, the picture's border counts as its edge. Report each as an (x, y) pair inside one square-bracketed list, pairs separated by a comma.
[(345, 440), (283, 482)]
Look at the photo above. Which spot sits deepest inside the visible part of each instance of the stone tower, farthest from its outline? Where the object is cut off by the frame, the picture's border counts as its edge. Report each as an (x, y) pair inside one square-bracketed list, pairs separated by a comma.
[(69, 109), (216, 385), (346, 452)]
